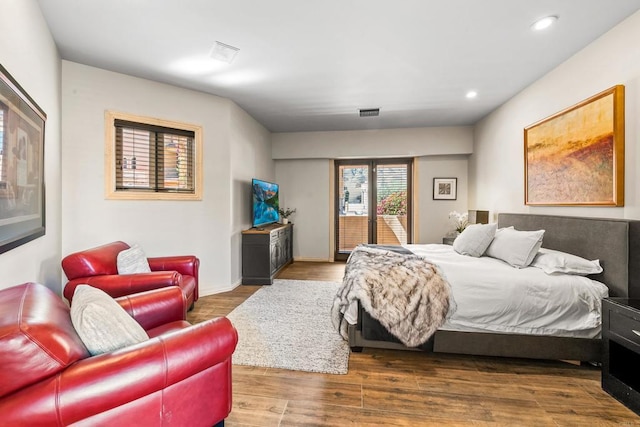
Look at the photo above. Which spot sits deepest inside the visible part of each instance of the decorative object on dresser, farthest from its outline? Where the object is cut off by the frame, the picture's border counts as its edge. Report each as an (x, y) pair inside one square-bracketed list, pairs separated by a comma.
[(445, 188), (621, 340), (285, 214), (582, 148), (266, 251)]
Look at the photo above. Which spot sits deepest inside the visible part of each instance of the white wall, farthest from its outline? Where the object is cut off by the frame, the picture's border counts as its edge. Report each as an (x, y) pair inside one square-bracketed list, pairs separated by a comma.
[(303, 171), (202, 228), (305, 186), (433, 215), (29, 54), (497, 167), (250, 145), (411, 142)]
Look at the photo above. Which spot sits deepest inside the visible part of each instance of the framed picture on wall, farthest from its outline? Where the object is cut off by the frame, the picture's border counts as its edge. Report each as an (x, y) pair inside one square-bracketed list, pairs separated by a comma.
[(22, 212), (576, 156), (445, 188)]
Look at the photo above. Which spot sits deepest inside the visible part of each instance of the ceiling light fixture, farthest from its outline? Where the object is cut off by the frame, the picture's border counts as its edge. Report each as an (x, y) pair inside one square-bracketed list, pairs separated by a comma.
[(471, 94), (544, 23), (224, 52), (370, 112)]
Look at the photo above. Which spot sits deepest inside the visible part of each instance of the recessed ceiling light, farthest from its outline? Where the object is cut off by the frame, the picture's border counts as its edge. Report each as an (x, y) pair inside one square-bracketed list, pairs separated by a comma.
[(544, 23), (224, 52), (471, 94)]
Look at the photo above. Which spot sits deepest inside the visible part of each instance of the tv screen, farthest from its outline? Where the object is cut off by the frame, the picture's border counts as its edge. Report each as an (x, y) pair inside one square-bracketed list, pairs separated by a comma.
[(265, 202)]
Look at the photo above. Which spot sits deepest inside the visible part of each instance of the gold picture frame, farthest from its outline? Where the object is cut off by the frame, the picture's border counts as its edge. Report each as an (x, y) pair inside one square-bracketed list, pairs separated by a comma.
[(576, 156)]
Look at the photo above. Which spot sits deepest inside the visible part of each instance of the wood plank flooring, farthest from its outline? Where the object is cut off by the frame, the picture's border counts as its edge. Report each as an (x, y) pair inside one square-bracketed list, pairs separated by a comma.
[(405, 388)]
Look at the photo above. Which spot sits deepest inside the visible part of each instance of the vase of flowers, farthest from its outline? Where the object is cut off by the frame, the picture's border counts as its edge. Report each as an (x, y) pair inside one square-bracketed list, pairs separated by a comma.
[(285, 214), (460, 221)]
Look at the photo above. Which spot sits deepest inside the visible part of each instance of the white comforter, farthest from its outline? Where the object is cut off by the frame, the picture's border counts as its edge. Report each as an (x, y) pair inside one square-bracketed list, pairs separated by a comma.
[(490, 295)]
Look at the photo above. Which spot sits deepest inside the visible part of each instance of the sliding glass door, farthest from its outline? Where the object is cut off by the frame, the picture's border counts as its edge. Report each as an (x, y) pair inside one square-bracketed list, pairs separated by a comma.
[(373, 203), (353, 223)]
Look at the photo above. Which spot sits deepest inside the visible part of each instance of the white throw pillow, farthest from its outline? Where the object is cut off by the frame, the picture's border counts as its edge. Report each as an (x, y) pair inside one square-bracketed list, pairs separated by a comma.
[(132, 261), (551, 261), (475, 239), (516, 248), (102, 324)]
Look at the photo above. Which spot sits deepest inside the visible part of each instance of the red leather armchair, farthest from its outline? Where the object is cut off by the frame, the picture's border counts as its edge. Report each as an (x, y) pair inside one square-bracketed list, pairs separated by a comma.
[(98, 267), (180, 376)]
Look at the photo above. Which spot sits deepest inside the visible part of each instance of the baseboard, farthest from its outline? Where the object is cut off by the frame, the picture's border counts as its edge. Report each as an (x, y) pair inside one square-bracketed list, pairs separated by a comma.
[(206, 291), (305, 259)]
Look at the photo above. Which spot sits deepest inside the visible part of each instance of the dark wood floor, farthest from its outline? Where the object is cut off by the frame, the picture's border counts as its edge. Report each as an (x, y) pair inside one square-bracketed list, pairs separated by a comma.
[(403, 388)]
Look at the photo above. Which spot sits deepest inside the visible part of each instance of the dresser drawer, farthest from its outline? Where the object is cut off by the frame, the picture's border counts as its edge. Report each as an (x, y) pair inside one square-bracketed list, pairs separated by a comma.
[(624, 326)]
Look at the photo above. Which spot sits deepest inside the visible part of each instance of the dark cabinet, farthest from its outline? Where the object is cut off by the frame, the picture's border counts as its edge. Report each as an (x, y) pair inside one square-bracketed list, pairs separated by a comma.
[(265, 252), (621, 340)]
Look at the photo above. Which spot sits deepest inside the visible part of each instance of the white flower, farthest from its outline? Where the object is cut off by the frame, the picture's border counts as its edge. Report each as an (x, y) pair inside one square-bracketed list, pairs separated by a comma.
[(460, 220)]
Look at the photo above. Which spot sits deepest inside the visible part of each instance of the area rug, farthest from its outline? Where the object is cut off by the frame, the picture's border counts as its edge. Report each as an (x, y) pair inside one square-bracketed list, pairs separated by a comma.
[(288, 325)]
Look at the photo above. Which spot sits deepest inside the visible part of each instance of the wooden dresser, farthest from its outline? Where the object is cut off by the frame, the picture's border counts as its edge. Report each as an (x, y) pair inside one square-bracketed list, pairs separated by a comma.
[(265, 251)]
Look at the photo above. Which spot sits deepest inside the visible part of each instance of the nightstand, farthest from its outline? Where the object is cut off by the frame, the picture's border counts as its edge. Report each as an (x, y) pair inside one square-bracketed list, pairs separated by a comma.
[(448, 240), (621, 345)]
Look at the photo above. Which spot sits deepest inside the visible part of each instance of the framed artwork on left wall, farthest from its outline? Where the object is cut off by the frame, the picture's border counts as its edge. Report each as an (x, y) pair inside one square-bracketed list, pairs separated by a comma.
[(22, 207)]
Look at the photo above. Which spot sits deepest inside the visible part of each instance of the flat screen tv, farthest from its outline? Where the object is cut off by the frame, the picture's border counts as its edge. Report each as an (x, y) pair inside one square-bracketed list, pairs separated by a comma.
[(264, 202)]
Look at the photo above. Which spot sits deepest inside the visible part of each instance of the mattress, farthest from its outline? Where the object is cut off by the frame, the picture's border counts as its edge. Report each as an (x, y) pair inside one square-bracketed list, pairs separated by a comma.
[(491, 296)]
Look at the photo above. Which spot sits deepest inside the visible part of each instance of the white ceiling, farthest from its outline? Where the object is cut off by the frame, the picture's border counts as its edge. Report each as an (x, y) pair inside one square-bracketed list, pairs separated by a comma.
[(306, 66)]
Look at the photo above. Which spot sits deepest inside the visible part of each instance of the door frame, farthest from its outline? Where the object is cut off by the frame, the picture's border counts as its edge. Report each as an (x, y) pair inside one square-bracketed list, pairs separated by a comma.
[(372, 218)]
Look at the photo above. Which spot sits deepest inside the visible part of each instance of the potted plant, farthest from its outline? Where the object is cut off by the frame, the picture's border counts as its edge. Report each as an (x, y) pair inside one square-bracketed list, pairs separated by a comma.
[(285, 214), (460, 221)]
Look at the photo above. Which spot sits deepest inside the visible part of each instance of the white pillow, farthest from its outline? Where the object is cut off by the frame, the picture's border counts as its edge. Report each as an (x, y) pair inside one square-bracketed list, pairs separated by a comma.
[(475, 239), (102, 324), (551, 261), (132, 261), (516, 248)]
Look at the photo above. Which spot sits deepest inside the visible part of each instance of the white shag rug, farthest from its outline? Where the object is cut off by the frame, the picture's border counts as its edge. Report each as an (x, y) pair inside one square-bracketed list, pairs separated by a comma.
[(288, 325)]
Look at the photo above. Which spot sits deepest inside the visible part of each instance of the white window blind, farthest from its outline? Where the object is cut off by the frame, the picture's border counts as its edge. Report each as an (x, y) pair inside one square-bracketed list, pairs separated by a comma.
[(154, 158)]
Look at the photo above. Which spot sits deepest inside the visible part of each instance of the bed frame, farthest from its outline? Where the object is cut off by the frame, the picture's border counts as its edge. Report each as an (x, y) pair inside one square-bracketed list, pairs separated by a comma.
[(615, 242)]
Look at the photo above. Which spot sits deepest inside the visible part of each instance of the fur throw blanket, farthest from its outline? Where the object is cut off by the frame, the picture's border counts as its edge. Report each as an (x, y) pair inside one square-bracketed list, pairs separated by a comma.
[(404, 292)]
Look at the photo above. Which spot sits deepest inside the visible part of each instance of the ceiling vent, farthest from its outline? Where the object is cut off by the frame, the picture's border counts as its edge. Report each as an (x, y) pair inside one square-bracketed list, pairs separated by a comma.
[(370, 112)]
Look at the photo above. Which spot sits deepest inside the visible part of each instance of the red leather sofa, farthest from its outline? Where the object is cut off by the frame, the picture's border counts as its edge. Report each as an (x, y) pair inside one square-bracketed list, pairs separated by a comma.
[(98, 267), (181, 376)]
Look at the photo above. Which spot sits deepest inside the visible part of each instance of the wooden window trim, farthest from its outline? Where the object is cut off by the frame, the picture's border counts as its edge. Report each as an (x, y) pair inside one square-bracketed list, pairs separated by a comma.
[(110, 159)]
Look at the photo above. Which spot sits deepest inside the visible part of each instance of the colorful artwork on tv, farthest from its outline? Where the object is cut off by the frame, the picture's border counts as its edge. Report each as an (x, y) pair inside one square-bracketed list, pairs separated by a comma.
[(265, 202)]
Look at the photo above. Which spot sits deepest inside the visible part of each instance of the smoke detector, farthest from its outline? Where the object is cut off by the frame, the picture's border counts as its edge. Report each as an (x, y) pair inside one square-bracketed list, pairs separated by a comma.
[(224, 52)]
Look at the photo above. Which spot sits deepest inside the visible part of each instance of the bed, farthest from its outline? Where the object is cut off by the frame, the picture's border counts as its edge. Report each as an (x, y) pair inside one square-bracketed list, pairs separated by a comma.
[(615, 242)]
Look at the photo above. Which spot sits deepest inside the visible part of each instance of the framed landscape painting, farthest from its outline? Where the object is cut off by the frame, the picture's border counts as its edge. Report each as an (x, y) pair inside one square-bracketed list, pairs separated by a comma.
[(22, 212), (576, 157)]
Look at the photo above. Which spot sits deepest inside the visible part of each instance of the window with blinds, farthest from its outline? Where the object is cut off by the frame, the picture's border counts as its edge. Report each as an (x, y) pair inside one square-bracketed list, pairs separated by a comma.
[(152, 157)]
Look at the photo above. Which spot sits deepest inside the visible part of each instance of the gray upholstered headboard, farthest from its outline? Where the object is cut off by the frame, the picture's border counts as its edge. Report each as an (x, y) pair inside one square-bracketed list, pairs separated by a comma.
[(615, 242)]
